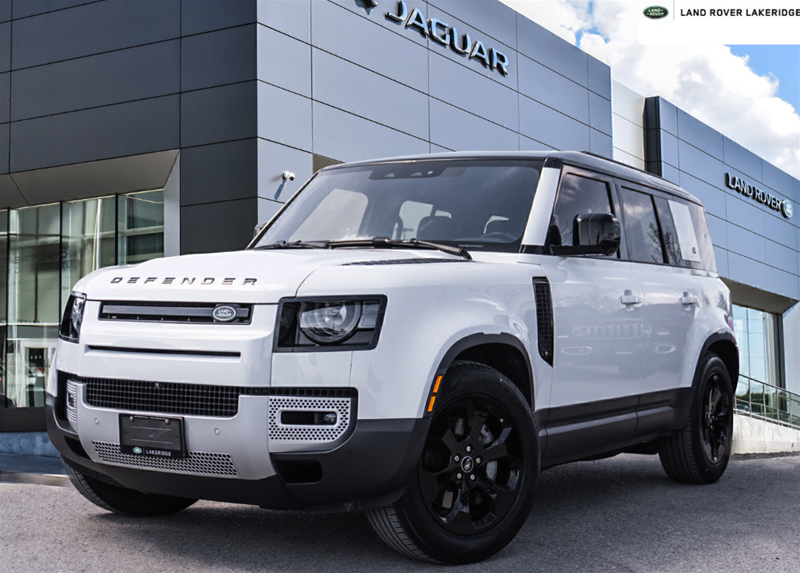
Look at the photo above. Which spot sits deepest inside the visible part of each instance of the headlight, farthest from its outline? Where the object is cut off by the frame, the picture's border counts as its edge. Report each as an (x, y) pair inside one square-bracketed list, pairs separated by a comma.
[(73, 318), (343, 324)]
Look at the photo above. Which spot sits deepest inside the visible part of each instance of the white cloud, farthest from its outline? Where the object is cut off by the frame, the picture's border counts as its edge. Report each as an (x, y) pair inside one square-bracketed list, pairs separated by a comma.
[(709, 82)]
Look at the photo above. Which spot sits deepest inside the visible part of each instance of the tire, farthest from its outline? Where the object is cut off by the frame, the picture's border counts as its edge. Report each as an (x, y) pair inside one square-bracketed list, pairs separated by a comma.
[(125, 501), (699, 453), (485, 423)]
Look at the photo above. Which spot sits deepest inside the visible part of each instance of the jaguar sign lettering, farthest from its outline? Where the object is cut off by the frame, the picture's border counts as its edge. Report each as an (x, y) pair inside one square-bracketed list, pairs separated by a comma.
[(447, 35)]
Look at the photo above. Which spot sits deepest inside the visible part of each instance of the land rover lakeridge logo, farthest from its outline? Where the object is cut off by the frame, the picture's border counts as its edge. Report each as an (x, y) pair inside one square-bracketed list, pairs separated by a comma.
[(656, 12), (137, 450), (787, 208)]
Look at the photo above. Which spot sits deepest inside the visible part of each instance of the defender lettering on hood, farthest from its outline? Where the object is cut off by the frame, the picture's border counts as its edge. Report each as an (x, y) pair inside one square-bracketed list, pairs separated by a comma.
[(184, 280)]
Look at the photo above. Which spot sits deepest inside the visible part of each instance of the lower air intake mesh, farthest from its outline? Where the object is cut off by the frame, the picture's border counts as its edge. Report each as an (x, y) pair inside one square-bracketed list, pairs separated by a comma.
[(544, 318), (308, 433), (165, 397), (202, 463), (72, 403)]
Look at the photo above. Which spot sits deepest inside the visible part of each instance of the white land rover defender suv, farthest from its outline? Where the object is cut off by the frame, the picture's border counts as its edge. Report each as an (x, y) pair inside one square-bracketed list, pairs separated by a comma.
[(415, 337)]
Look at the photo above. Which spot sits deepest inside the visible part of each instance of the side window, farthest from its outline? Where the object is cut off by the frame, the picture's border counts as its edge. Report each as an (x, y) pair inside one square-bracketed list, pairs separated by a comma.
[(671, 243), (643, 236), (577, 195), (703, 237), (690, 250)]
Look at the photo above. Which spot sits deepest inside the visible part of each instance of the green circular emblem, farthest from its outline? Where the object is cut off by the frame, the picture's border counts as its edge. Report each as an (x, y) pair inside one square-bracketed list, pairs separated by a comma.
[(787, 208), (656, 12), (137, 450)]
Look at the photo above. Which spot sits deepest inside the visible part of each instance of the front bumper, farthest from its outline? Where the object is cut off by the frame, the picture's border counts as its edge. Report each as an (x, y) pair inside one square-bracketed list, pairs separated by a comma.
[(369, 467)]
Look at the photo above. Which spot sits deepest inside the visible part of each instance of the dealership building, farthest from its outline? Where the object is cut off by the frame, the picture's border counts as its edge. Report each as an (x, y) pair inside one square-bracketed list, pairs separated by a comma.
[(131, 130)]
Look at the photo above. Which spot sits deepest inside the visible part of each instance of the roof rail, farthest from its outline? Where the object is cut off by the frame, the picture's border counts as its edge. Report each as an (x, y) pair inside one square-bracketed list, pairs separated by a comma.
[(593, 154)]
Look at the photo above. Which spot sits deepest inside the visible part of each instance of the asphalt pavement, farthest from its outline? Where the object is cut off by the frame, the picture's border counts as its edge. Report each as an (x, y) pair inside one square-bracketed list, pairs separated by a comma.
[(619, 514)]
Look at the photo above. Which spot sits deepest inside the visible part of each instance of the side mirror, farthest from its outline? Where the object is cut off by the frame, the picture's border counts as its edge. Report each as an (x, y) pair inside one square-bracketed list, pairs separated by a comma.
[(593, 234), (258, 228)]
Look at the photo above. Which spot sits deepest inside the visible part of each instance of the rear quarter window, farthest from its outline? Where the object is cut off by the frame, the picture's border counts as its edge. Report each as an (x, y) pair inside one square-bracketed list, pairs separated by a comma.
[(687, 239)]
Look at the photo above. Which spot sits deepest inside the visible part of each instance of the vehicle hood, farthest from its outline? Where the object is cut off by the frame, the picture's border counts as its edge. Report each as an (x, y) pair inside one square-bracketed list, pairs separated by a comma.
[(256, 276)]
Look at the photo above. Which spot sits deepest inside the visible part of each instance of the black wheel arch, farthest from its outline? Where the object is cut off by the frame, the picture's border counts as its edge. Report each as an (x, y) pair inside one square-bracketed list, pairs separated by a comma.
[(503, 352), (723, 344)]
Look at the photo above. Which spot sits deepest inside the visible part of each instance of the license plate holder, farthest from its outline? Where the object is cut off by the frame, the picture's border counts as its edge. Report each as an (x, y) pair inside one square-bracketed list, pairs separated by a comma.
[(152, 436)]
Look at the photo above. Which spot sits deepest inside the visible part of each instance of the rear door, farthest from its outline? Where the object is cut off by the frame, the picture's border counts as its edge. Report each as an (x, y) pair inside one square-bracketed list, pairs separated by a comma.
[(666, 251), (598, 319)]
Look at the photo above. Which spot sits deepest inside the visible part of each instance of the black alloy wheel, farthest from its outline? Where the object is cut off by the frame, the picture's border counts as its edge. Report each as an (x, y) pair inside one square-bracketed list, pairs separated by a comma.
[(476, 477), (700, 451), (471, 465), (717, 421)]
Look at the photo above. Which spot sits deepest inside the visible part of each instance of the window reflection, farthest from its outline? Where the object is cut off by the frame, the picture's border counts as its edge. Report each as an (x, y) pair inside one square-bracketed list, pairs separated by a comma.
[(756, 335), (44, 251)]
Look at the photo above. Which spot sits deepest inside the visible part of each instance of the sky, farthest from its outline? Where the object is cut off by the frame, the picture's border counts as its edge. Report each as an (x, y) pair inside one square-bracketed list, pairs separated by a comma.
[(749, 93)]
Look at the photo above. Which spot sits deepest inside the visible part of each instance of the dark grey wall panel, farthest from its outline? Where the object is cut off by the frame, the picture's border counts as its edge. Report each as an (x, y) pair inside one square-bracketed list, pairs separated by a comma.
[(485, 98), (293, 18), (600, 113), (220, 172), (116, 77), (551, 127), (494, 19), (599, 78), (554, 90), (219, 114), (25, 8), (5, 47), (601, 144), (461, 131), (781, 181), (4, 142), (473, 64), (5, 10), (360, 41), (5, 87), (9, 194), (232, 223), (341, 84), (695, 132), (273, 160), (548, 49), (101, 133), (206, 15), (742, 159), (283, 61), (93, 28), (378, 15), (218, 58)]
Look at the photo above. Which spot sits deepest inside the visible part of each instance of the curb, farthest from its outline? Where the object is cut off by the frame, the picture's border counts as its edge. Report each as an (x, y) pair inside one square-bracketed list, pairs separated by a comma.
[(36, 479)]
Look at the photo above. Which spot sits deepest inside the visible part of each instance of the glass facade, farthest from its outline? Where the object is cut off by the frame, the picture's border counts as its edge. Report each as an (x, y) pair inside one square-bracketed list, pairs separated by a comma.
[(761, 390), (44, 251)]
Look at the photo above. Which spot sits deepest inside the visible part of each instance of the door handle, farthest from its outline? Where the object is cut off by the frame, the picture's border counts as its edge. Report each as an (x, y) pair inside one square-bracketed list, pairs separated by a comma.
[(688, 299), (629, 298)]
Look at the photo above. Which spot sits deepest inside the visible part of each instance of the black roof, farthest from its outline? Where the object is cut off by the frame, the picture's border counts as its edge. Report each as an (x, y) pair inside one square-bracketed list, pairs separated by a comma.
[(576, 158)]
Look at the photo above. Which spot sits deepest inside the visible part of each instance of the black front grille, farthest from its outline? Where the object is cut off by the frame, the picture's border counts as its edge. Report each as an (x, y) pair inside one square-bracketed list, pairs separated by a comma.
[(165, 397), (544, 318), (185, 399), (181, 312)]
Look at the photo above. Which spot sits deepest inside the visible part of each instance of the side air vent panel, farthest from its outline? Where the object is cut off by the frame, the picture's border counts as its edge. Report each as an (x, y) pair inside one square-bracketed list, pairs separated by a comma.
[(544, 318)]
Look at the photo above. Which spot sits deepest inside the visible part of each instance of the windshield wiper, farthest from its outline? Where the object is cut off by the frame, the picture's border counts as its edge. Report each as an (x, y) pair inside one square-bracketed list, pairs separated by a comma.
[(295, 245), (386, 242)]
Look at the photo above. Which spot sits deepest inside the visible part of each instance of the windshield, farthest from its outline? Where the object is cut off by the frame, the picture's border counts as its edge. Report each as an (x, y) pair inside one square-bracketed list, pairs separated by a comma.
[(471, 204)]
